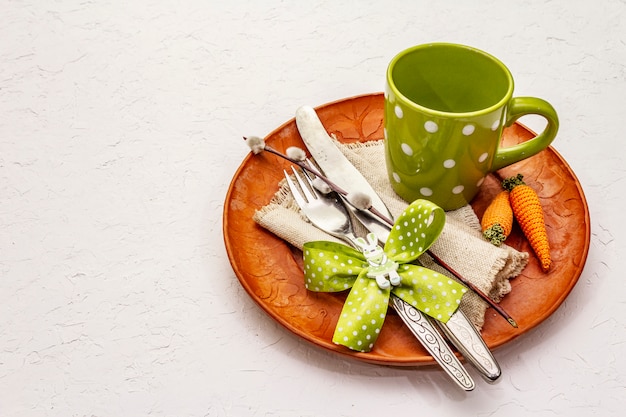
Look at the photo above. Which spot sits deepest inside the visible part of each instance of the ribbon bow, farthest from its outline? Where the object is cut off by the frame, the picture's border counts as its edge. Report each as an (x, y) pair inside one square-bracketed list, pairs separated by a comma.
[(372, 276)]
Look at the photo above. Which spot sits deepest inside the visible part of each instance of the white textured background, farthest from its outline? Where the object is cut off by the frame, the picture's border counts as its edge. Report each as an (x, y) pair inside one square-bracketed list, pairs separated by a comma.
[(120, 130)]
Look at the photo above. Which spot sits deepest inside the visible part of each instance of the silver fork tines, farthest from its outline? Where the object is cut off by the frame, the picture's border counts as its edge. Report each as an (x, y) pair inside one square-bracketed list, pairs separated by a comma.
[(326, 212)]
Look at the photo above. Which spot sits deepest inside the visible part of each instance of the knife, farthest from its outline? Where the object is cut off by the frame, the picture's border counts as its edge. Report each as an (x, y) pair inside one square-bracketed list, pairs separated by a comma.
[(321, 146), (459, 330)]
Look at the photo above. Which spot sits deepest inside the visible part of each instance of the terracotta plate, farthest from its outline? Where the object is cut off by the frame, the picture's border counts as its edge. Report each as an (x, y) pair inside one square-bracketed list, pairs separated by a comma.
[(270, 270)]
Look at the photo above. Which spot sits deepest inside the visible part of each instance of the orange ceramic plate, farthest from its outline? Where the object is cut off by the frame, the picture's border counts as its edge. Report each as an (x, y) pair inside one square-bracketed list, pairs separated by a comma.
[(270, 270)]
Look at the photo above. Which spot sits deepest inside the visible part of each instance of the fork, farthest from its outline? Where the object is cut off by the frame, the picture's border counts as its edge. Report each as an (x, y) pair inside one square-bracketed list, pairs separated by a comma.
[(327, 212)]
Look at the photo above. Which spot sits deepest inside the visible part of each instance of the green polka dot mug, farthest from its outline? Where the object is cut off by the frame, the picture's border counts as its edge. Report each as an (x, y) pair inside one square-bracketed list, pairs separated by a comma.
[(445, 108)]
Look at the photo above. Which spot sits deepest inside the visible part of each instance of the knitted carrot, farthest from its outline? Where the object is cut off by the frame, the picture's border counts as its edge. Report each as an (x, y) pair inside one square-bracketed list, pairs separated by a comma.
[(497, 221), (529, 214)]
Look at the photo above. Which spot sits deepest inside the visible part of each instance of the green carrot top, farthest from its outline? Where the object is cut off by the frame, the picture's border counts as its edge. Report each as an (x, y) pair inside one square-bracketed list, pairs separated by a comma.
[(512, 182)]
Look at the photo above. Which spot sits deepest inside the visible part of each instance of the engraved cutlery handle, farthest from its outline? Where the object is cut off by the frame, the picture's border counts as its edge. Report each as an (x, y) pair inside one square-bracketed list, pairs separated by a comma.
[(462, 333), (433, 342)]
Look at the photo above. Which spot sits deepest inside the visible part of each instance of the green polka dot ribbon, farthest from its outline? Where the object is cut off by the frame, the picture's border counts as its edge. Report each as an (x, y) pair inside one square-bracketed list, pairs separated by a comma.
[(334, 267)]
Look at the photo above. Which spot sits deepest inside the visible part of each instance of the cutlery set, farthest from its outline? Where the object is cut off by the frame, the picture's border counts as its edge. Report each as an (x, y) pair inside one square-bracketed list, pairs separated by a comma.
[(330, 213)]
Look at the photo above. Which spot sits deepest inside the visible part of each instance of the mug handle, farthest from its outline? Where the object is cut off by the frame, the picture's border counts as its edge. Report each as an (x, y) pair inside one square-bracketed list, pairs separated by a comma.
[(518, 107)]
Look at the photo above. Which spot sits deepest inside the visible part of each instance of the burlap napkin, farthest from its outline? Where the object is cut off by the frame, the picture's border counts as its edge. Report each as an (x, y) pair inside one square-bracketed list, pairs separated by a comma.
[(460, 244)]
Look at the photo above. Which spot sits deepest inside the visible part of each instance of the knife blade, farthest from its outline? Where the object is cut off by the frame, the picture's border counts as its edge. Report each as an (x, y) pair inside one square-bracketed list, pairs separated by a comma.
[(334, 164)]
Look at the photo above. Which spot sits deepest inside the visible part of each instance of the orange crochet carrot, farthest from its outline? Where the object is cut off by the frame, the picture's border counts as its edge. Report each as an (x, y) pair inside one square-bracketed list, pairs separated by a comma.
[(497, 221), (529, 214)]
